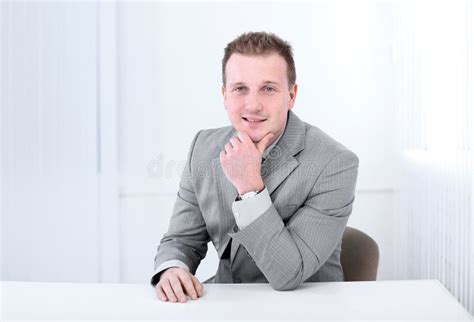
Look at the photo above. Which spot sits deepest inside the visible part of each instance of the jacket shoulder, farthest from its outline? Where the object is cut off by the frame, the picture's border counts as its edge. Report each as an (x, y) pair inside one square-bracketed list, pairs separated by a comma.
[(318, 141), (209, 142), (213, 137)]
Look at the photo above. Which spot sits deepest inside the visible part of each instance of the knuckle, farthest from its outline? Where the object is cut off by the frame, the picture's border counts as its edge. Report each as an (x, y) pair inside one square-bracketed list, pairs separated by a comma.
[(189, 284), (163, 285), (179, 292), (191, 291), (176, 285), (185, 276), (168, 291)]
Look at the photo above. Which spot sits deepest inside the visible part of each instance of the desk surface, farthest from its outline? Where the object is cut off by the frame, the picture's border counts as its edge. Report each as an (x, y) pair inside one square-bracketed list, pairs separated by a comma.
[(397, 300)]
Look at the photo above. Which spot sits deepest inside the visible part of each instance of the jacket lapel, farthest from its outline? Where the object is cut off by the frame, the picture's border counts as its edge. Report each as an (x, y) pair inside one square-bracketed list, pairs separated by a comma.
[(281, 161)]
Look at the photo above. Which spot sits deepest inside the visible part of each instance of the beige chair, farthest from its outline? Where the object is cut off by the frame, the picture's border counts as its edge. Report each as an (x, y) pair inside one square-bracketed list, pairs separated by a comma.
[(359, 256)]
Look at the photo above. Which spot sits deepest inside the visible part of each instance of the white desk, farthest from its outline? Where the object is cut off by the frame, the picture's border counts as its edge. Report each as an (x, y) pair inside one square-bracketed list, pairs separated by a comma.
[(396, 300)]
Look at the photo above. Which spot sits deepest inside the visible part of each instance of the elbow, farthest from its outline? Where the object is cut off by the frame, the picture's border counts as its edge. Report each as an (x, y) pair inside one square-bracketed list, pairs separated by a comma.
[(285, 287), (283, 283)]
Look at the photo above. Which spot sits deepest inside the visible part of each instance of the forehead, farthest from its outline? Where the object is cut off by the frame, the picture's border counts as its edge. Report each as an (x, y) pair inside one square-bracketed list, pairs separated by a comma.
[(243, 68)]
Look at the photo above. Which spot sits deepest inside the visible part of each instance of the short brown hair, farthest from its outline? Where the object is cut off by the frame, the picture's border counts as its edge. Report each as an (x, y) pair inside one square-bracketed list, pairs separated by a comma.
[(261, 43)]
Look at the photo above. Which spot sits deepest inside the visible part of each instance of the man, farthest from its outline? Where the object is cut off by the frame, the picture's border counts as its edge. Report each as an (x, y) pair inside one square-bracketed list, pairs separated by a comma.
[(271, 192)]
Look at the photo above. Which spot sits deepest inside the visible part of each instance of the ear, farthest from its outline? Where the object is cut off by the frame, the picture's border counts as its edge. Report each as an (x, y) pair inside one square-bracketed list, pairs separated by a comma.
[(293, 91), (223, 94)]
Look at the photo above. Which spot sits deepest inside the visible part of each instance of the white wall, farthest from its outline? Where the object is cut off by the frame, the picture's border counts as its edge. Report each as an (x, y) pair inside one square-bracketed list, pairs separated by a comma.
[(169, 62), (58, 135), (435, 136), (49, 142)]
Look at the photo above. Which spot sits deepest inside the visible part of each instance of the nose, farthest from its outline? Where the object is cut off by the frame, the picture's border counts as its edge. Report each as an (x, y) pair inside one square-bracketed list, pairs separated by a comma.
[(253, 103)]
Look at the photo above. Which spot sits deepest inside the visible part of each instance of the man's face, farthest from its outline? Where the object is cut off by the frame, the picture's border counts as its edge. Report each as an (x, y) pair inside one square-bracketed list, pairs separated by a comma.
[(257, 95)]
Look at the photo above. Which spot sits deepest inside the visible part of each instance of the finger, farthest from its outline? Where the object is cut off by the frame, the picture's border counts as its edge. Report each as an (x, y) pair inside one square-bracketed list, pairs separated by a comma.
[(262, 145), (177, 289), (160, 293), (228, 148), (197, 285), (235, 142), (188, 285), (244, 137), (165, 284)]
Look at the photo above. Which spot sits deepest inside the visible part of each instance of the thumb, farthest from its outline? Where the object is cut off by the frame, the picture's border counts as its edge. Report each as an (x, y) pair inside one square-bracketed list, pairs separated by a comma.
[(262, 145)]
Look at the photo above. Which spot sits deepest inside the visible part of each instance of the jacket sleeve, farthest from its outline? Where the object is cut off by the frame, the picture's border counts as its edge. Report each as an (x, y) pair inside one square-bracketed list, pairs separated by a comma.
[(288, 254), (187, 237)]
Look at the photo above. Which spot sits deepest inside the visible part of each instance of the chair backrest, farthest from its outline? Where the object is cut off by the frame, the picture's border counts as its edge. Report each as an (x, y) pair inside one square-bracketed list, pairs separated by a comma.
[(359, 256)]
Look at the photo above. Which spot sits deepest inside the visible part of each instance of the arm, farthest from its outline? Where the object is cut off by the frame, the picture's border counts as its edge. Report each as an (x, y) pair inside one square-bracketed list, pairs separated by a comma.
[(289, 254), (187, 237)]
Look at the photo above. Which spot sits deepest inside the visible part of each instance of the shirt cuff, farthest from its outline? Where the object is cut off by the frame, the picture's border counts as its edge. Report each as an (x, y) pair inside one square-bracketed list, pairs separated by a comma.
[(165, 265), (247, 210)]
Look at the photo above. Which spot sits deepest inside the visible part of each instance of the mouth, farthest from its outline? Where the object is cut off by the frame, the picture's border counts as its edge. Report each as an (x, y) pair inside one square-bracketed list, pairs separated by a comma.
[(253, 120)]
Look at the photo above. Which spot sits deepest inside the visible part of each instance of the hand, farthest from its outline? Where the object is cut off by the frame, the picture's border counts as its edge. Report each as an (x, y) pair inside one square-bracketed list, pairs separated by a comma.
[(241, 162), (177, 283)]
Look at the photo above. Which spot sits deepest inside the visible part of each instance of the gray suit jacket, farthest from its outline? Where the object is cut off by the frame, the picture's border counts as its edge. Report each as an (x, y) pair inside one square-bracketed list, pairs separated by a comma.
[(311, 179)]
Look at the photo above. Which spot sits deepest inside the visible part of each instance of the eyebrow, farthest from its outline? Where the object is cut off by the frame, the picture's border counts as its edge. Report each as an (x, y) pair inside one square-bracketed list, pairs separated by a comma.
[(265, 83)]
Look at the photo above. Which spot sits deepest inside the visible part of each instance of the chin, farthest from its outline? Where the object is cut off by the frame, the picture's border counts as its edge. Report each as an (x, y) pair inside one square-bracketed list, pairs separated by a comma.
[(256, 137)]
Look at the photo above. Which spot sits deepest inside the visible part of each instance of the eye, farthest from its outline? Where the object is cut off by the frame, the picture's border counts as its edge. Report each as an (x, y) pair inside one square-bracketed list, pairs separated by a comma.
[(268, 89), (240, 89)]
